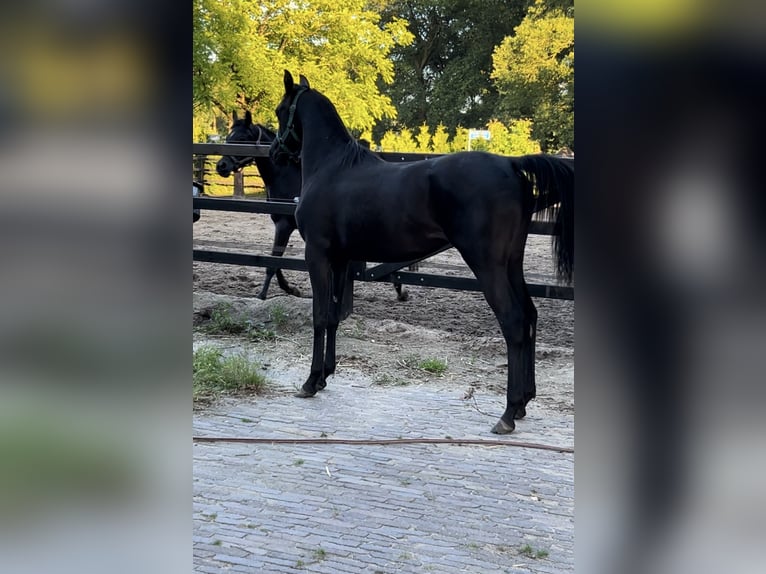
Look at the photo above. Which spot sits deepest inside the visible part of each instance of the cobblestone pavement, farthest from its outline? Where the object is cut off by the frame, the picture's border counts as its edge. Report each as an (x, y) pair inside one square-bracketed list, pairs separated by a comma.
[(381, 509)]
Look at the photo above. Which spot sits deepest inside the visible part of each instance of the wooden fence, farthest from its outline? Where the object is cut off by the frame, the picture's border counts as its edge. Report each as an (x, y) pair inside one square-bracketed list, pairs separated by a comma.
[(539, 286)]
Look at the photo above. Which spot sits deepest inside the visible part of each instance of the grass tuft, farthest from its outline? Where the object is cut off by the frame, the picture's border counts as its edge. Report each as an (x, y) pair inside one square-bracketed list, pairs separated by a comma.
[(433, 366), (530, 552), (214, 374)]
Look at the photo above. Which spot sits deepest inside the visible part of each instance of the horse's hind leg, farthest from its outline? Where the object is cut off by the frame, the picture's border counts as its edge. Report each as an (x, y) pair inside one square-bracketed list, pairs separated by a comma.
[(284, 227), (320, 274), (403, 294), (505, 293), (339, 274), (530, 336)]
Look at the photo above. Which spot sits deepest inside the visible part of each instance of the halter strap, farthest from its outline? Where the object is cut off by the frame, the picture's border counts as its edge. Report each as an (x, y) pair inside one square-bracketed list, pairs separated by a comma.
[(290, 129), (241, 161)]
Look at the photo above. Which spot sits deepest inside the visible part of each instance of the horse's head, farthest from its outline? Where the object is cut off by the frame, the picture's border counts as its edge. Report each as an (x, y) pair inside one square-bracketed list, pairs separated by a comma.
[(242, 131), (287, 145)]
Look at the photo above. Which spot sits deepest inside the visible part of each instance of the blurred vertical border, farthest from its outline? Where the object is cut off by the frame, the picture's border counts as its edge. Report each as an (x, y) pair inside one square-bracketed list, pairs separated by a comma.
[(94, 297), (670, 315)]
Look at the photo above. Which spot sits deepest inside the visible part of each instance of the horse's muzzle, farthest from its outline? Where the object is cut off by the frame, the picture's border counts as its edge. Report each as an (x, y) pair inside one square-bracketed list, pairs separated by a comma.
[(224, 167)]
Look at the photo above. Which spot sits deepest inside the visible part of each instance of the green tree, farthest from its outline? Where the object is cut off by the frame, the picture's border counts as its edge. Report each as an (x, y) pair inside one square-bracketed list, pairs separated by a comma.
[(443, 75), (514, 139), (240, 48), (534, 73), (423, 139), (398, 141), (439, 141), (460, 141)]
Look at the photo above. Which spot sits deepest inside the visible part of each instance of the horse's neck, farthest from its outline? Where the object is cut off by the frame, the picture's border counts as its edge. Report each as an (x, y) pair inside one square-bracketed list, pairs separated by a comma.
[(319, 141), (266, 169)]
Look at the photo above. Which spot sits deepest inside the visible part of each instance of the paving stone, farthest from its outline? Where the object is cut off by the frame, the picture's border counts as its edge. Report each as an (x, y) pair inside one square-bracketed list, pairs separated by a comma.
[(391, 509)]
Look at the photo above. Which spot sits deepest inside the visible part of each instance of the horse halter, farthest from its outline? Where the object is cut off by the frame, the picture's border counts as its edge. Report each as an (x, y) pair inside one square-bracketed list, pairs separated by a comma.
[(289, 131), (238, 162)]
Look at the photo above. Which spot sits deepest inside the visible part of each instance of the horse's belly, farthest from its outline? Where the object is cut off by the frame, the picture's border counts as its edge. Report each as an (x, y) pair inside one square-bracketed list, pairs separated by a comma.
[(389, 247)]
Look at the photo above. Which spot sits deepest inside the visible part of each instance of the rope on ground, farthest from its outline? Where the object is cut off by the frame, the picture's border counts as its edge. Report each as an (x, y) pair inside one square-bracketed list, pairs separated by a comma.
[(392, 441)]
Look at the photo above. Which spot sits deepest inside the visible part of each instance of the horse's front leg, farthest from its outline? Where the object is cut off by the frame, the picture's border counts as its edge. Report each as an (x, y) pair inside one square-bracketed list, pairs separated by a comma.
[(283, 228), (320, 275)]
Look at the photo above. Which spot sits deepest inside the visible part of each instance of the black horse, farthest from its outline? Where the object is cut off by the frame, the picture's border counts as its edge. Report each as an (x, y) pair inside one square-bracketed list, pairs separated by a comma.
[(355, 206), (282, 182)]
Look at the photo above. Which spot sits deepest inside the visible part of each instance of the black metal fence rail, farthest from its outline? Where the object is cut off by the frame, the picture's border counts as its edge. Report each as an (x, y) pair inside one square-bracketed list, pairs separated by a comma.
[(386, 272)]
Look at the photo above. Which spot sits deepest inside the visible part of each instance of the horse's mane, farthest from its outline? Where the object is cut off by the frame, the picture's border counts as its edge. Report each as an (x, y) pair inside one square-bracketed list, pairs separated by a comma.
[(241, 123), (356, 154), (353, 153)]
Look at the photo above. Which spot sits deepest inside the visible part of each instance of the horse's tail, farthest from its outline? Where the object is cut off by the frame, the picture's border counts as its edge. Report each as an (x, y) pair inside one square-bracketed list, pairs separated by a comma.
[(552, 186)]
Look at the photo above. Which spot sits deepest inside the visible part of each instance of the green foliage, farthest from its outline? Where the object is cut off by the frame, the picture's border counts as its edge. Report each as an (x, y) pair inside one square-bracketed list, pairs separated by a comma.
[(398, 141), (240, 48), (279, 316), (213, 374), (423, 139), (224, 322), (534, 72), (512, 139), (530, 552), (443, 75), (395, 68), (439, 141), (434, 366)]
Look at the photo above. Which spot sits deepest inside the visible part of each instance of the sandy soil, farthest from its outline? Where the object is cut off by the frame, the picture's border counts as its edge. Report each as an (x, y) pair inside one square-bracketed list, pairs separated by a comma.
[(385, 338)]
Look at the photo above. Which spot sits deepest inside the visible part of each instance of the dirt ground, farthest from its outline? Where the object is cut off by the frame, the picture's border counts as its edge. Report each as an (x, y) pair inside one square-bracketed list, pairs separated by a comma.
[(384, 339)]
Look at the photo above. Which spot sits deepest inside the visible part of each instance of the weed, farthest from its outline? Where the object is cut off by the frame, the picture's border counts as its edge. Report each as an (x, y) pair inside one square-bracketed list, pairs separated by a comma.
[(213, 374), (261, 333), (279, 316), (530, 552), (223, 322), (298, 462), (320, 554), (299, 564), (433, 366), (410, 361), (216, 542), (386, 380), (246, 420)]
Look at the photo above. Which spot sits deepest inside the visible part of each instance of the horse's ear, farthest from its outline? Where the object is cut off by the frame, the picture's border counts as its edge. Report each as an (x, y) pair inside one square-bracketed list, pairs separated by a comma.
[(248, 118), (234, 116), (304, 82), (288, 82)]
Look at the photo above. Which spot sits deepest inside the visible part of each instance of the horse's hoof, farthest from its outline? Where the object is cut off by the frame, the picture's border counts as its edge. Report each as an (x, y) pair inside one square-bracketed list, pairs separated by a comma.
[(520, 413), (262, 296), (503, 427), (404, 296), (321, 386), (304, 394), (295, 292)]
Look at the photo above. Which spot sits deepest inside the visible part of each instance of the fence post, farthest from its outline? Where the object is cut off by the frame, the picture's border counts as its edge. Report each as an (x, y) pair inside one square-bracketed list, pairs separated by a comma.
[(239, 184), (198, 168)]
